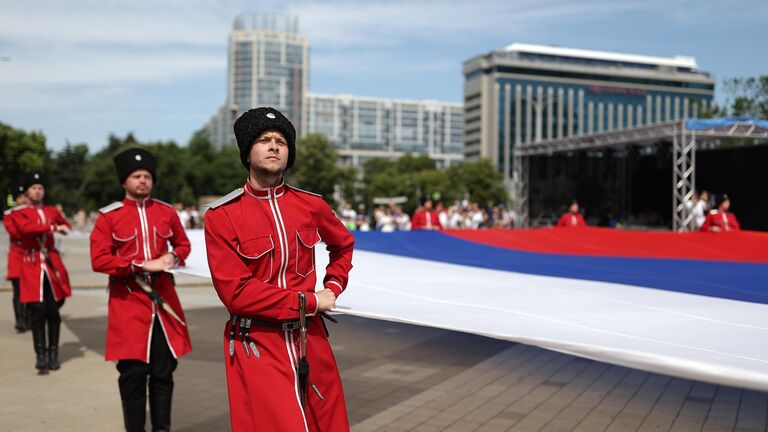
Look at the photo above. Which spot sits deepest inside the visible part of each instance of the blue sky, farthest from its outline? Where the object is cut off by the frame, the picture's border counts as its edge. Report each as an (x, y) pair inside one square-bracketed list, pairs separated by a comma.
[(81, 69)]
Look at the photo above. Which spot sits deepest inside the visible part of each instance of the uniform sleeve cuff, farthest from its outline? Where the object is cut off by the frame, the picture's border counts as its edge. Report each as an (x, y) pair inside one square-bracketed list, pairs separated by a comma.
[(312, 303), (137, 266), (335, 287)]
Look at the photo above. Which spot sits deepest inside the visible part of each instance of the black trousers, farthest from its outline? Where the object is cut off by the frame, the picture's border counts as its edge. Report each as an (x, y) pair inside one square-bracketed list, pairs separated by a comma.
[(159, 370), (133, 385), (19, 308), (47, 310)]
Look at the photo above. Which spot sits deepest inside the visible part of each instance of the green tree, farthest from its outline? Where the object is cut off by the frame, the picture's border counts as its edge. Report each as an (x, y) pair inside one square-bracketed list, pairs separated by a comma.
[(747, 96), (316, 168), (67, 171), (213, 172), (409, 176), (20, 152), (173, 167), (100, 183), (480, 180)]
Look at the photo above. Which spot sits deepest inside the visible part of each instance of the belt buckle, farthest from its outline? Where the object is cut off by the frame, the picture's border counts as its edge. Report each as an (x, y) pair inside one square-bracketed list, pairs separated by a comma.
[(290, 326)]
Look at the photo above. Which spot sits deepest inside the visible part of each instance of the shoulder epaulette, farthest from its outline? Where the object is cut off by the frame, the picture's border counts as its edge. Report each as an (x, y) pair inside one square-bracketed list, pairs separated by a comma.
[(225, 199), (162, 202), (13, 209), (305, 191), (713, 211), (108, 208)]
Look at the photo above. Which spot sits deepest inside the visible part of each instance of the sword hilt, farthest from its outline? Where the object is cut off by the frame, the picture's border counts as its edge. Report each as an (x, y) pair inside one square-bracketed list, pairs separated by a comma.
[(302, 310)]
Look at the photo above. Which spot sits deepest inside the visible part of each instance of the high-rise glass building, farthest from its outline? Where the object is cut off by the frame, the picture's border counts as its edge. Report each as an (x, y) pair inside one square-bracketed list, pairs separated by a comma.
[(533, 93), (360, 128), (268, 65)]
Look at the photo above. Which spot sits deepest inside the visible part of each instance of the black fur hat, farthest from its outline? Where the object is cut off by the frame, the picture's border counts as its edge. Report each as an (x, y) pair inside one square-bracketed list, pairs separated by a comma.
[(31, 178), (133, 159), (15, 189), (256, 121)]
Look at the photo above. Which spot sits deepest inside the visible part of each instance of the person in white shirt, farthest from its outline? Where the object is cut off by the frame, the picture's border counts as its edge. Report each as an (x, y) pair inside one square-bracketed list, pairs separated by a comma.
[(700, 208)]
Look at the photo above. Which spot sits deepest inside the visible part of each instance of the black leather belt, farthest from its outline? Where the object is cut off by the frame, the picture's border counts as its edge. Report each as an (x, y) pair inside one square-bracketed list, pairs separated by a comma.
[(241, 326), (283, 325)]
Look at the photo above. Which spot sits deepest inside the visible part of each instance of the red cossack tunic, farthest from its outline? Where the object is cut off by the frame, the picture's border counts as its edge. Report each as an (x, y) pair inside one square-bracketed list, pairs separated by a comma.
[(14, 248), (569, 219), (261, 253), (35, 226), (725, 221), (126, 234), (426, 220)]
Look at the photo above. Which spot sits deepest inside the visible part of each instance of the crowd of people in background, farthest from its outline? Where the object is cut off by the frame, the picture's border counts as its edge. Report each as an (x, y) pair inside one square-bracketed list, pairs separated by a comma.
[(710, 213), (83, 221), (188, 215), (430, 215)]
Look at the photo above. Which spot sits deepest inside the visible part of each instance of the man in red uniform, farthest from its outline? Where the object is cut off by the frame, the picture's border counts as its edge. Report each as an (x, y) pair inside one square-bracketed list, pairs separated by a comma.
[(572, 218), (426, 218), (15, 253), (129, 242), (261, 242), (720, 219), (43, 279)]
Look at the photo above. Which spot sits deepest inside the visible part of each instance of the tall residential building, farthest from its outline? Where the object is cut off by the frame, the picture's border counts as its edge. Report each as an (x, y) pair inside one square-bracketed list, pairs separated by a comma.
[(268, 66), (533, 93), (361, 128)]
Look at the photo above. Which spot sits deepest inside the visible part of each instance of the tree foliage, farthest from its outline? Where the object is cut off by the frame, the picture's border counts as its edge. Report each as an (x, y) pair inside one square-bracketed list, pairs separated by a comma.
[(316, 168), (480, 181), (80, 179), (66, 173), (747, 96), (20, 152), (416, 176)]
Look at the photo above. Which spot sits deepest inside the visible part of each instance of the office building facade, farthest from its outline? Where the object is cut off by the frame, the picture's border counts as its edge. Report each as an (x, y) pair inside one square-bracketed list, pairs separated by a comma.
[(533, 93), (268, 65), (361, 128)]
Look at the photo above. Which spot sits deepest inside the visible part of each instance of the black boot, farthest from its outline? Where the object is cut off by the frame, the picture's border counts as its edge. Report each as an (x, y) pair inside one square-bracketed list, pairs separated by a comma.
[(135, 415), (53, 345), (38, 338), (17, 313), (19, 309), (160, 396), (23, 318)]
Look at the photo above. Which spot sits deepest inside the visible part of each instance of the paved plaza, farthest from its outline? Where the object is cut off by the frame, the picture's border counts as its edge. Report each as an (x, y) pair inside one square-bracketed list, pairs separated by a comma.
[(397, 377)]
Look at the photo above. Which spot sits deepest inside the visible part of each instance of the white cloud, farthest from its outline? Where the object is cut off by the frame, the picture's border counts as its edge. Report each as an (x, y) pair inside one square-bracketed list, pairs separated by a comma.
[(135, 22), (389, 23), (52, 42), (79, 56), (89, 66)]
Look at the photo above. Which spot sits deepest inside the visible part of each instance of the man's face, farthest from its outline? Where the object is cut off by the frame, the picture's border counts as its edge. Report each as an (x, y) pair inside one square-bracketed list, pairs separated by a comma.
[(725, 205), (138, 184), (428, 204), (574, 208), (36, 193), (269, 153)]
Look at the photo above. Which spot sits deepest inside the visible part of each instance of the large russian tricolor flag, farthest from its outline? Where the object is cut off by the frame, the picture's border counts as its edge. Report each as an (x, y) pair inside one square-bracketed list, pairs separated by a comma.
[(688, 304)]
